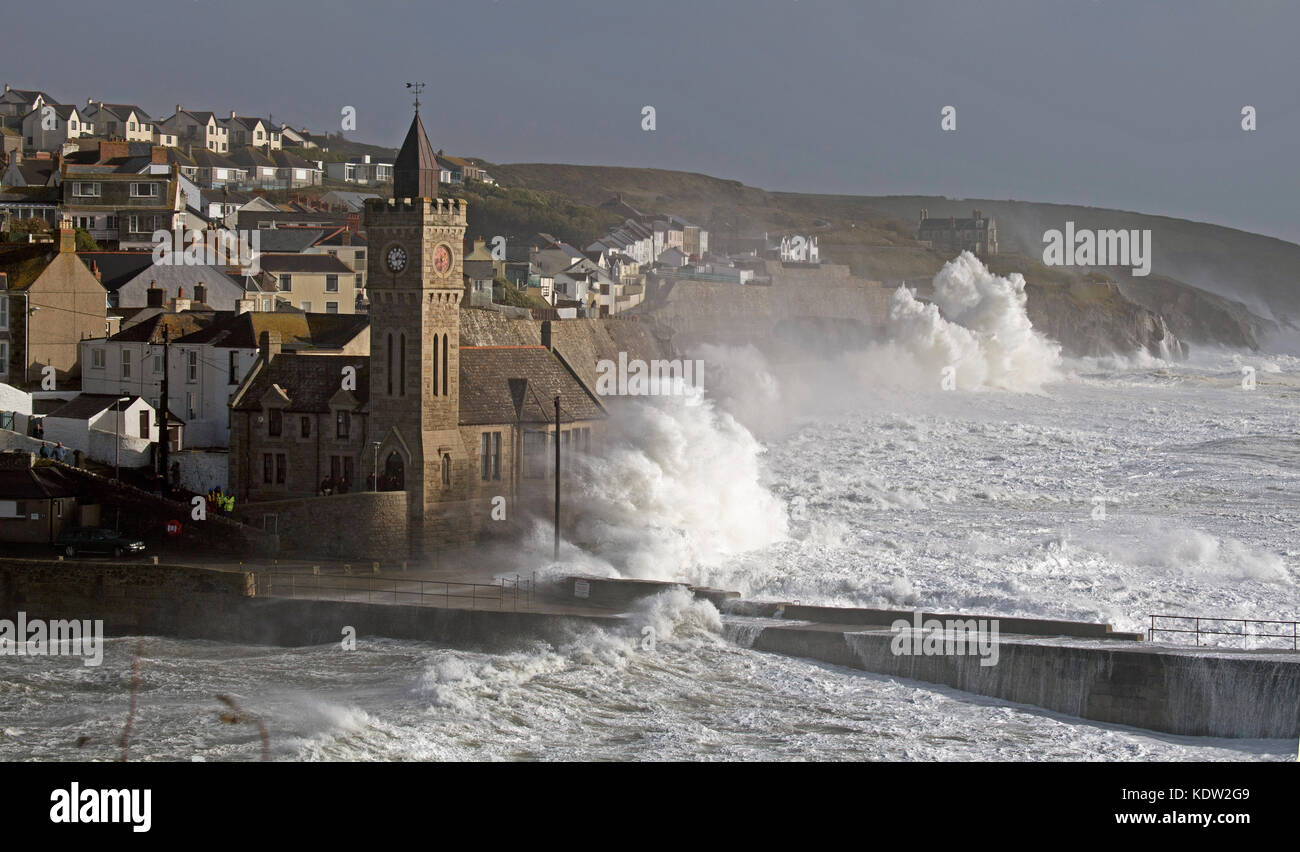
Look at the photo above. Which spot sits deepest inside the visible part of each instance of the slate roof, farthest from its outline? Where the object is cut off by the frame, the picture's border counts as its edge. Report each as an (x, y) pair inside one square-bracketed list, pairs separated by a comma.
[(288, 239), (297, 330), (87, 405), (37, 483), (305, 263), (175, 324), (116, 267), (487, 396), (310, 381), (123, 111), (336, 239)]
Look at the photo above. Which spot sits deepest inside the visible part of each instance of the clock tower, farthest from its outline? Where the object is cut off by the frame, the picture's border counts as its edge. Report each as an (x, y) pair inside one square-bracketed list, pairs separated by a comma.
[(415, 286)]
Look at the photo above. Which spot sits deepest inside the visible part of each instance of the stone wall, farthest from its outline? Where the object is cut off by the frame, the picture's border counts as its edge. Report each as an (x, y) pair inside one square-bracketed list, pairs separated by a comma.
[(803, 301), (357, 525)]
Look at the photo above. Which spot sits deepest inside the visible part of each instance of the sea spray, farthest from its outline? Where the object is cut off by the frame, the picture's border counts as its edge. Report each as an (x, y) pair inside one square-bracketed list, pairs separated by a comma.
[(978, 326)]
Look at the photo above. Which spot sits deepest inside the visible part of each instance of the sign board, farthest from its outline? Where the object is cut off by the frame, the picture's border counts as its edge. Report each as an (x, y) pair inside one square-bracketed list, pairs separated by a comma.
[(581, 589), (173, 528)]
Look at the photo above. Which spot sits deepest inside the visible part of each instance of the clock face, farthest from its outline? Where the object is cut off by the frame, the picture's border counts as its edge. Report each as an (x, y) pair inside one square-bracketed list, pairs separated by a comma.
[(442, 260), (396, 259)]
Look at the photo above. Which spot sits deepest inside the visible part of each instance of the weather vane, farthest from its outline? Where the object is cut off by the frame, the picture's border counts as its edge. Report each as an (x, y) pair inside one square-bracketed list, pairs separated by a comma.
[(418, 87)]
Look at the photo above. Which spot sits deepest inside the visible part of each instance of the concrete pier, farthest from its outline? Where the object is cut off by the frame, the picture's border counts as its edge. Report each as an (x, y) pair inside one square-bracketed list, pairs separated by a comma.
[(1191, 691)]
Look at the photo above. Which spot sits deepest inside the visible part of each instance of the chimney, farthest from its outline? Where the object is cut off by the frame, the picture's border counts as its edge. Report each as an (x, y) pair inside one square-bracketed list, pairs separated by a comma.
[(976, 214), (232, 113), (154, 296), (354, 222), (244, 306), (179, 304), (67, 237), (546, 336), (269, 344), (94, 270), (201, 293), (158, 155), (925, 214), (178, 108), (365, 158)]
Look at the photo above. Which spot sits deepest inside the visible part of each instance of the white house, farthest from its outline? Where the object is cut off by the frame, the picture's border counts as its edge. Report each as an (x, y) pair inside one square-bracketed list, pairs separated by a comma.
[(49, 126), (104, 429)]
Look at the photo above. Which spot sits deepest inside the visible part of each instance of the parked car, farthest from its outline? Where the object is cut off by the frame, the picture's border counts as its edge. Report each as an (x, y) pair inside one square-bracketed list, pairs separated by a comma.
[(97, 540)]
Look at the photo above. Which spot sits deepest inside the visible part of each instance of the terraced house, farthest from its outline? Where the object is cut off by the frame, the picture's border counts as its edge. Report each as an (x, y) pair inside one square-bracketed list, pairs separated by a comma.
[(120, 121), (248, 130), (314, 282), (119, 206), (198, 127)]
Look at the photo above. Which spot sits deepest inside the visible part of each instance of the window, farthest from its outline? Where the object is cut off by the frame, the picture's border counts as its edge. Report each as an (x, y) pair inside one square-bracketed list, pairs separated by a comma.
[(361, 255), (358, 278), (286, 282), (342, 424), (275, 422), (157, 363), (86, 190), (97, 359), (534, 455), (331, 283), (192, 366), (144, 424), (446, 470), (435, 365), (332, 252), (266, 304), (401, 360), (390, 365), (446, 365), (126, 363), (133, 224), (341, 469), (305, 426), (4, 312), (4, 358), (72, 125), (331, 307), (281, 468), (144, 190), (234, 367), (190, 405), (490, 455), (268, 468)]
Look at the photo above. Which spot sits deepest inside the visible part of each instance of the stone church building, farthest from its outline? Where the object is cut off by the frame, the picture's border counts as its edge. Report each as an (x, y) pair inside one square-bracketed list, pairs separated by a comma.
[(452, 426)]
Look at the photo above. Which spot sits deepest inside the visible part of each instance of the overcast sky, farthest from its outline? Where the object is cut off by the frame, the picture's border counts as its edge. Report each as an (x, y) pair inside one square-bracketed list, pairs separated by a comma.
[(1116, 103)]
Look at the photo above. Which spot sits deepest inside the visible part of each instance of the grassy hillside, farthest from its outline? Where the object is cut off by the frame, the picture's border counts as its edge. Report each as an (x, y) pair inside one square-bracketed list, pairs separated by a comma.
[(876, 234)]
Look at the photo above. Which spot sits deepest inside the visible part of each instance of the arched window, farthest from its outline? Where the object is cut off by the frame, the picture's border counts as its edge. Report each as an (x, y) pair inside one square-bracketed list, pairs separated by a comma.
[(401, 355), (390, 364), (446, 365), (446, 470), (435, 365)]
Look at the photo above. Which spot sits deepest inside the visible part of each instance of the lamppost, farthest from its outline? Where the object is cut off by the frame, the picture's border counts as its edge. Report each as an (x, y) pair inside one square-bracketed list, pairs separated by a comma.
[(117, 458)]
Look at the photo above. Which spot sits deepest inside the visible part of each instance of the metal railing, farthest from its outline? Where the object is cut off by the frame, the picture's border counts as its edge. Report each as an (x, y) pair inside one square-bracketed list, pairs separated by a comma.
[(1201, 625), (506, 594)]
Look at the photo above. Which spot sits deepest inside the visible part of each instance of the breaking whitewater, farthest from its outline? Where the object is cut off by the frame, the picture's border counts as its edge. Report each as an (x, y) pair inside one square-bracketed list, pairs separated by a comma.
[(1096, 490)]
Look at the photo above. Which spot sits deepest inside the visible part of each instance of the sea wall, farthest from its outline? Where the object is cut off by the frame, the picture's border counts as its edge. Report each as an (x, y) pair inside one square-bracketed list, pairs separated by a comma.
[(135, 599), (805, 304), (1193, 693)]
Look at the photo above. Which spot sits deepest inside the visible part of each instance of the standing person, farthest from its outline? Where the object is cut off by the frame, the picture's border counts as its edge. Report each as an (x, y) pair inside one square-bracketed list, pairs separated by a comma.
[(59, 452), (45, 450)]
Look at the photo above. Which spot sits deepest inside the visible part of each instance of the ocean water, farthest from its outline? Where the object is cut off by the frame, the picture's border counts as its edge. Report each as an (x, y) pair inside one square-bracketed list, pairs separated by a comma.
[(1100, 490)]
